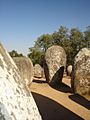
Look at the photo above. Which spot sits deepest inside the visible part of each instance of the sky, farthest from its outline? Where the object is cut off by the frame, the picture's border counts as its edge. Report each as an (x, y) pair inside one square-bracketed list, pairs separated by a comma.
[(23, 21)]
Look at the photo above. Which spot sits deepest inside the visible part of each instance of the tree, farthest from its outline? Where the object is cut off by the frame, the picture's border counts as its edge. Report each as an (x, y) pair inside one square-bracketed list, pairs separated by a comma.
[(60, 35), (36, 55), (14, 53), (41, 45), (56, 38), (87, 37), (77, 39), (44, 42), (77, 42), (72, 41)]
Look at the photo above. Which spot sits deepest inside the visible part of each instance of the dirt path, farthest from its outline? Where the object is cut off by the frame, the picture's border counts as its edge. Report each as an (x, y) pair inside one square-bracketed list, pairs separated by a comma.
[(59, 103)]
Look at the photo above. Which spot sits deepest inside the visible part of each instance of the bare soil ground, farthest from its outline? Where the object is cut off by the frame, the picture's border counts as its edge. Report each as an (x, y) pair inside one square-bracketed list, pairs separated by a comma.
[(58, 103)]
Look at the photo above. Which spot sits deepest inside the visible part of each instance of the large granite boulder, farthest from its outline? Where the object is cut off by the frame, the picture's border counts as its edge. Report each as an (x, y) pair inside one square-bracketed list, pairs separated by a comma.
[(26, 69), (16, 102), (55, 62), (81, 73), (38, 71), (69, 70)]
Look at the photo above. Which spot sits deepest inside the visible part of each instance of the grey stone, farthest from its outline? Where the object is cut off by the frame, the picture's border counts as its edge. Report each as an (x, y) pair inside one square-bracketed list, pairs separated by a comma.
[(69, 70), (43, 74), (37, 71), (55, 62), (81, 73), (26, 69), (16, 102)]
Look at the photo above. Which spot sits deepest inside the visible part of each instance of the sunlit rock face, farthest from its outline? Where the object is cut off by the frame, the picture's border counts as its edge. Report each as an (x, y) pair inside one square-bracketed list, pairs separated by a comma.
[(26, 69), (81, 73), (38, 71), (16, 103), (43, 73), (69, 70), (55, 62)]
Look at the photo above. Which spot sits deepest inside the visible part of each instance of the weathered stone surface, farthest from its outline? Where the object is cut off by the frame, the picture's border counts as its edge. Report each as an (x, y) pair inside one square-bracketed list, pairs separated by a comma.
[(37, 71), (69, 70), (26, 69), (81, 73), (43, 74), (16, 102), (55, 61)]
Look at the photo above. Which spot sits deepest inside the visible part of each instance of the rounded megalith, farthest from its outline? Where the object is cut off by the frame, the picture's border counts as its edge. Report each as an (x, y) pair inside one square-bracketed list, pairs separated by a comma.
[(69, 70), (26, 68), (55, 61), (37, 71), (43, 74), (81, 73)]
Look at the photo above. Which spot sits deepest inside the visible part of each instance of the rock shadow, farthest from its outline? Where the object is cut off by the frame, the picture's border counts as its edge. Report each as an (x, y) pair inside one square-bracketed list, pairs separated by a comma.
[(62, 87), (39, 81), (57, 78), (51, 110), (80, 100)]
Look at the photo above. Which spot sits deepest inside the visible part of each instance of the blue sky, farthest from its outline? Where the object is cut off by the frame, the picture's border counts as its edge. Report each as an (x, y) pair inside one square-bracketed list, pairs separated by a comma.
[(22, 21)]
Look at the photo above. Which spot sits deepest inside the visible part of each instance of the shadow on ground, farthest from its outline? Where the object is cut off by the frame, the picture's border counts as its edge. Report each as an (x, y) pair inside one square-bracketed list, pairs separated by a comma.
[(62, 87), (51, 110), (39, 81), (80, 100)]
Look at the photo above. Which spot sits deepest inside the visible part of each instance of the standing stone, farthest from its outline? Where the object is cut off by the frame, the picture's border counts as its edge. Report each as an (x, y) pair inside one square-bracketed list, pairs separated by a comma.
[(43, 74), (26, 69), (37, 71), (55, 61), (81, 73), (16, 102), (69, 70)]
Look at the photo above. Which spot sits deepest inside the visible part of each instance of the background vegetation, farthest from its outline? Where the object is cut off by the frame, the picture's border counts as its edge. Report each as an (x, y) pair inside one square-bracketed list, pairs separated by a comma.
[(71, 40), (14, 53)]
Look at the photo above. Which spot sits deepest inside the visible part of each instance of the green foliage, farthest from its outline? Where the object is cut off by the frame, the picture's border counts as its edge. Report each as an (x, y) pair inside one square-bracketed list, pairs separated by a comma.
[(76, 40), (60, 36), (14, 53), (71, 40), (36, 55), (87, 37), (44, 42)]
